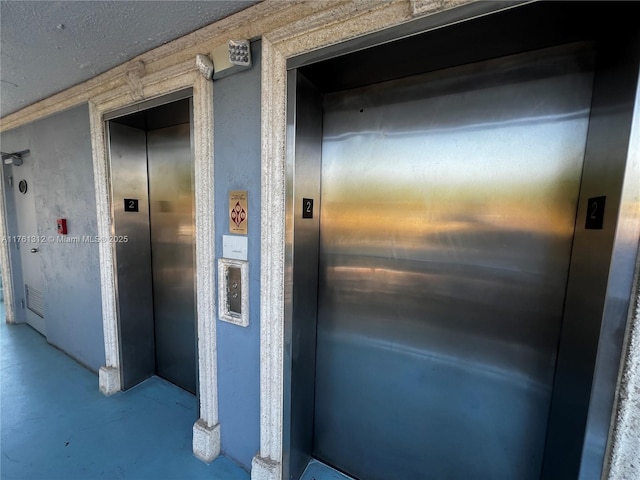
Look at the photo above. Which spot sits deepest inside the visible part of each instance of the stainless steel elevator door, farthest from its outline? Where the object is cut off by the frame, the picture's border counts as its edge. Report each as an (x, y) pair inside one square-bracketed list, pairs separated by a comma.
[(129, 180), (448, 205), (172, 253)]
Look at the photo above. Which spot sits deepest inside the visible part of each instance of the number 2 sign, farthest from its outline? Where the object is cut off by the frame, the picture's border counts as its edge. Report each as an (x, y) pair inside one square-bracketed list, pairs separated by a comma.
[(595, 213), (130, 204), (307, 208)]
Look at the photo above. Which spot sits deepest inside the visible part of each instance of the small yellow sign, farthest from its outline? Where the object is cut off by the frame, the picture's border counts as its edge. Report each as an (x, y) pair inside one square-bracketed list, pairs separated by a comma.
[(238, 212)]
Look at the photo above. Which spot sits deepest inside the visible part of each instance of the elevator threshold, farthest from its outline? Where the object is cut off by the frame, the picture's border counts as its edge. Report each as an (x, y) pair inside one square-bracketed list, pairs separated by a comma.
[(317, 470)]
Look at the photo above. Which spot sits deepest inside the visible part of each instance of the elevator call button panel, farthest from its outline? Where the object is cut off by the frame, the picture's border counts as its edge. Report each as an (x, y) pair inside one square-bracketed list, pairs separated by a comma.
[(233, 291)]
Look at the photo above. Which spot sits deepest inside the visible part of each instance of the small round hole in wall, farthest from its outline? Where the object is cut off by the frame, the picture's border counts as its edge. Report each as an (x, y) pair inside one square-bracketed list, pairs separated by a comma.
[(22, 186)]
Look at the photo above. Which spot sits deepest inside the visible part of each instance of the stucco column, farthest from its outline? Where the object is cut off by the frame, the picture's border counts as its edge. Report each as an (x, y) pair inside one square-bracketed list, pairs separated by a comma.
[(206, 431), (109, 374), (267, 464)]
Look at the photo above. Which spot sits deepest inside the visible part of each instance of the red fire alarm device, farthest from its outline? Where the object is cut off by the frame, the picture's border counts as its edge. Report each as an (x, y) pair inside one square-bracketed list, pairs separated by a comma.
[(62, 226)]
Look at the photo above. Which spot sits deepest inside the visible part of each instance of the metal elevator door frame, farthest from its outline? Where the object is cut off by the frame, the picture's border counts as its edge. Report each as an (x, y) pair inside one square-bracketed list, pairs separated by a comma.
[(581, 406), (153, 214)]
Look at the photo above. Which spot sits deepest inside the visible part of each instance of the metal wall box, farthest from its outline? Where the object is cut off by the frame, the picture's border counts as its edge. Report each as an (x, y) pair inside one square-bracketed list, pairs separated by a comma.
[(233, 291)]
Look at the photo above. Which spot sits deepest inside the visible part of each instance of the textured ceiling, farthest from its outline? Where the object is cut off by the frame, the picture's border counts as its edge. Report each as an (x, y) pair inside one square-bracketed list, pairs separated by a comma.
[(48, 46)]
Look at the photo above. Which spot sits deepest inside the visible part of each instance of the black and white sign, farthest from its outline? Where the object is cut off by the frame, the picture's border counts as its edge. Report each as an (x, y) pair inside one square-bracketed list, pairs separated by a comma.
[(595, 213), (130, 204), (307, 208)]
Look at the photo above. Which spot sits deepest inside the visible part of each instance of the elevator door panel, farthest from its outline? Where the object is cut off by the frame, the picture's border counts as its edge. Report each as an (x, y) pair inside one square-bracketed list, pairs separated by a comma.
[(172, 246), (128, 167), (448, 205)]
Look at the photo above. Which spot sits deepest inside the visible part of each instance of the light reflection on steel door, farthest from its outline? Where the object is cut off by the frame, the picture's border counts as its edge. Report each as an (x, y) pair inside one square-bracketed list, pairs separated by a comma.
[(448, 209)]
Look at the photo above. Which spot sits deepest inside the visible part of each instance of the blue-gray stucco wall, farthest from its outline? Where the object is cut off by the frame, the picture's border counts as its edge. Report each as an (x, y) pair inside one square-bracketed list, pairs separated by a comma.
[(63, 187), (236, 112)]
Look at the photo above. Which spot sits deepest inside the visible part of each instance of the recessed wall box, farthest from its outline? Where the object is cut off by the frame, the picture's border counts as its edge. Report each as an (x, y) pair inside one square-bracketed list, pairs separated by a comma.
[(233, 291)]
